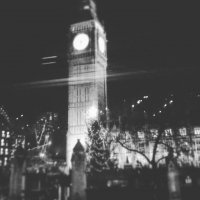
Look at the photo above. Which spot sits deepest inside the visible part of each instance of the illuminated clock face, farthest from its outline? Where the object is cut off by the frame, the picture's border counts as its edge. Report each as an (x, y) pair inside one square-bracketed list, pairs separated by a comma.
[(102, 46), (81, 41)]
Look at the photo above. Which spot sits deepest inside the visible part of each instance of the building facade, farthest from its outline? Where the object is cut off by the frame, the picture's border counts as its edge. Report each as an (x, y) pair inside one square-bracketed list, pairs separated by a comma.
[(5, 147), (184, 141), (5, 138), (87, 62)]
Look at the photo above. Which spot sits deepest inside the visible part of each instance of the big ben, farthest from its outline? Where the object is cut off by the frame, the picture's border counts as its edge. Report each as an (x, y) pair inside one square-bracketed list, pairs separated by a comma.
[(87, 61)]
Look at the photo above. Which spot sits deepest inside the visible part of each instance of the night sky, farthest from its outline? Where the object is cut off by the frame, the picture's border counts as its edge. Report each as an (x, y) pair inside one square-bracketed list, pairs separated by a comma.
[(152, 49)]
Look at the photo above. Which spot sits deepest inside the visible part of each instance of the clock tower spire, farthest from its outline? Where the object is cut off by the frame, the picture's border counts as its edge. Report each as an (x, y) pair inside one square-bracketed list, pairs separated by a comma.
[(85, 10), (87, 61)]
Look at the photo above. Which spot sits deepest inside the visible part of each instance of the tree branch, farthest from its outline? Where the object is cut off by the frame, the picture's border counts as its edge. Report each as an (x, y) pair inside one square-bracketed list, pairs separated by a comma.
[(156, 145), (135, 150), (164, 157)]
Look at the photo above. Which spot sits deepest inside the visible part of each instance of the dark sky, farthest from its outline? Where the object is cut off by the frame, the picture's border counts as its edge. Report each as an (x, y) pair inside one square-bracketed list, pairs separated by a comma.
[(152, 48)]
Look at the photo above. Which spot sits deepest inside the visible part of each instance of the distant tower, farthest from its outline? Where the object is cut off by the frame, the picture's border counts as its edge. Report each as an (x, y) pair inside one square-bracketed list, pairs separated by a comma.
[(87, 60)]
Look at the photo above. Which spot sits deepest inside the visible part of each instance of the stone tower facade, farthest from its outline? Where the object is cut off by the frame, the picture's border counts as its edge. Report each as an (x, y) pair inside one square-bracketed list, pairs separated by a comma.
[(87, 61)]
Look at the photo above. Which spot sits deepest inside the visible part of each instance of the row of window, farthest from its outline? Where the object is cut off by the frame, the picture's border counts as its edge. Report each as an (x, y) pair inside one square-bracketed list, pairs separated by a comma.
[(83, 94), (2, 152), (5, 134), (4, 161), (3, 142), (168, 132)]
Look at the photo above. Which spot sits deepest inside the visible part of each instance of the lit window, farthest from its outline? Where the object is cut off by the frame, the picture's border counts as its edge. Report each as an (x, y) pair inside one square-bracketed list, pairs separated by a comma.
[(168, 132), (23, 143), (2, 142), (197, 131), (182, 131), (139, 101), (154, 133), (6, 151), (8, 134), (5, 161), (140, 134), (1, 152), (3, 133), (86, 7)]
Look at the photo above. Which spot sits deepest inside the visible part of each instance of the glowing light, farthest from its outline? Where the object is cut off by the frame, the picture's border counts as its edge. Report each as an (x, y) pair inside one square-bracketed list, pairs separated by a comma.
[(49, 57), (183, 131), (160, 111), (133, 106), (6, 151), (101, 44), (197, 130), (48, 63), (3, 134), (5, 160), (8, 134), (171, 102), (139, 101), (42, 155), (49, 143), (73, 80), (165, 105), (86, 7), (99, 27), (154, 115), (188, 180), (2, 142), (1, 152), (146, 97), (81, 41), (92, 112)]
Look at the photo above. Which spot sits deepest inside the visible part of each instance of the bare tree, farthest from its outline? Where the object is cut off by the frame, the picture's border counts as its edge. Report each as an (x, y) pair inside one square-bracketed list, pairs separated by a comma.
[(166, 144)]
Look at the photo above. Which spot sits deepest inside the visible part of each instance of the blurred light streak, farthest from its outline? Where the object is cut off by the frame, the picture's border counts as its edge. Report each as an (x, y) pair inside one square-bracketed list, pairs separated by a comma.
[(48, 63), (49, 57), (84, 78)]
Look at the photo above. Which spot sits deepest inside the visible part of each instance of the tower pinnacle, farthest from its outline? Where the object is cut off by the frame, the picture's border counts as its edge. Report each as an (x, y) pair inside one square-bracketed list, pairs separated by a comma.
[(86, 9)]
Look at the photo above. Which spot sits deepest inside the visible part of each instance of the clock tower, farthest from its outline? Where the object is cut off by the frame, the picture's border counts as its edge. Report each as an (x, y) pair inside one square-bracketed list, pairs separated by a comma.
[(87, 61)]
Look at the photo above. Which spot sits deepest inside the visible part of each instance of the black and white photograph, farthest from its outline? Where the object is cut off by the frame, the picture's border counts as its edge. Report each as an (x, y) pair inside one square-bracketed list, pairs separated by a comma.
[(99, 99)]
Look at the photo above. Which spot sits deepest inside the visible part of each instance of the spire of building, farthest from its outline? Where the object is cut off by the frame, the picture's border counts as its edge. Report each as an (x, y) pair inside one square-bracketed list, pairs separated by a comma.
[(85, 10)]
